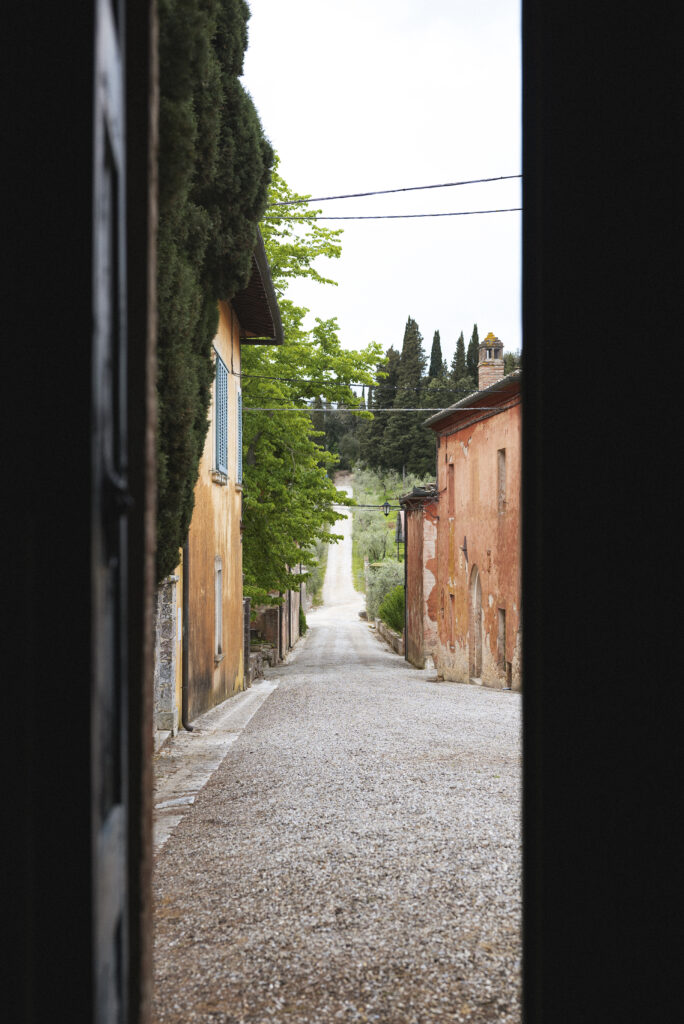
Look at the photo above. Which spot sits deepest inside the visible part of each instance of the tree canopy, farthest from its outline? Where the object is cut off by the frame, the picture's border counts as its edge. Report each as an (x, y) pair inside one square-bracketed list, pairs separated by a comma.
[(289, 498)]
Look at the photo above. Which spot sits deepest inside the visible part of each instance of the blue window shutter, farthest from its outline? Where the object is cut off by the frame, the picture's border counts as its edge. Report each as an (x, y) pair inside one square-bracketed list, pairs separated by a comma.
[(221, 416), (239, 438)]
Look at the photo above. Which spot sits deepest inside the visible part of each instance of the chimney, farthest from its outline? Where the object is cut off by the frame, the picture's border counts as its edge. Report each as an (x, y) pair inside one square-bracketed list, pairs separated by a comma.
[(490, 366)]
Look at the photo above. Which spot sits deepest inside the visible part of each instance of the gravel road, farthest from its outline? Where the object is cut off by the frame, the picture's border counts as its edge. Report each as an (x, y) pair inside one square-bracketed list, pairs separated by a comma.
[(356, 856)]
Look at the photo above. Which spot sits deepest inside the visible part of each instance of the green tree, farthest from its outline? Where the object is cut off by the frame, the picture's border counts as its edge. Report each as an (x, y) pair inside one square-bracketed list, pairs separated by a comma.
[(436, 361), (458, 363), (512, 361), (473, 355), (383, 395), (214, 167), (401, 441), (289, 498)]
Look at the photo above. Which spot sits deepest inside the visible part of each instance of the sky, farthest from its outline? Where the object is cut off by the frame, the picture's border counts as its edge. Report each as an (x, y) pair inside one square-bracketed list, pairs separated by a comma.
[(382, 94)]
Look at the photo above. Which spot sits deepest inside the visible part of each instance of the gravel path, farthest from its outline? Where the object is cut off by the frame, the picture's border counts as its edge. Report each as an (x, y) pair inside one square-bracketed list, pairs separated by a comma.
[(356, 856)]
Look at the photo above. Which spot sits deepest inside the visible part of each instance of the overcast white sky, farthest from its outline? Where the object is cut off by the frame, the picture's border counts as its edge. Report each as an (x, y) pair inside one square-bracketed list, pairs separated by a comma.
[(378, 94)]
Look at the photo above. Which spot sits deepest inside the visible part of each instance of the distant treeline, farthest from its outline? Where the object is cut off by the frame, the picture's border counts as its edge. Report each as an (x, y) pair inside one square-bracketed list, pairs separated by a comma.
[(399, 441)]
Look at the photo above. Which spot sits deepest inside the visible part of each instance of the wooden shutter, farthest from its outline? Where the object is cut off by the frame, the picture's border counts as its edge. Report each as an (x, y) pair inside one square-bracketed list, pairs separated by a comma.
[(221, 416), (239, 437)]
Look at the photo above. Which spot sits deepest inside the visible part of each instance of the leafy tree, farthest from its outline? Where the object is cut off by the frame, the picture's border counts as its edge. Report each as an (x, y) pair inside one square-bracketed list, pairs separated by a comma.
[(512, 361), (214, 167), (473, 355), (288, 499), (436, 360)]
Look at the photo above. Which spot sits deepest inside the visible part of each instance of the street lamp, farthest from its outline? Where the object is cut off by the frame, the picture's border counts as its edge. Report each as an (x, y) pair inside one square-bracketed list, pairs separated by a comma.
[(386, 508)]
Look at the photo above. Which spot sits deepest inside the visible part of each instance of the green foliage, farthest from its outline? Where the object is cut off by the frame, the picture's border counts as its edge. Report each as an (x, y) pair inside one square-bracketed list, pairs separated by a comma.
[(373, 535), (436, 361), (407, 445), (289, 498), (512, 361), (391, 609), (382, 397), (214, 168), (302, 622), (473, 355), (314, 584), (381, 581), (458, 363)]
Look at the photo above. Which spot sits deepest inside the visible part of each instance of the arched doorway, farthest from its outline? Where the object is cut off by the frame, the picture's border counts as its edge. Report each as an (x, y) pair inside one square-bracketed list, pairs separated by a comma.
[(475, 624)]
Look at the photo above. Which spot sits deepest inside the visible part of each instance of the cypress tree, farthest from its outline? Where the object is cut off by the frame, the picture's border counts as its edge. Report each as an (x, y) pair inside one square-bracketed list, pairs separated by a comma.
[(214, 169), (436, 361), (382, 397), (404, 438), (458, 363), (473, 355)]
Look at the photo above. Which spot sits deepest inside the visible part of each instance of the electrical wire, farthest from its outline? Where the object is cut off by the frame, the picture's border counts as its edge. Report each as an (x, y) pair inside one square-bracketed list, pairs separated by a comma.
[(387, 191), (408, 216)]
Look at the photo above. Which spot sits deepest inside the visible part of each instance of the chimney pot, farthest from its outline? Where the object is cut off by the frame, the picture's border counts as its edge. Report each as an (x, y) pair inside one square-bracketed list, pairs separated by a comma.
[(490, 366)]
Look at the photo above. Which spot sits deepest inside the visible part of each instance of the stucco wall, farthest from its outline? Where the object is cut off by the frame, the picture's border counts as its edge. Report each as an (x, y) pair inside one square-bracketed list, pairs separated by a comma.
[(215, 535), (480, 537), (414, 587)]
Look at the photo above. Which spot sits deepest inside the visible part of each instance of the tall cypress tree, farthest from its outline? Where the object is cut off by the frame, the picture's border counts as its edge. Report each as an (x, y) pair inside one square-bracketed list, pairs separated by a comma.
[(383, 397), (436, 362), (473, 355), (458, 363), (214, 169), (404, 438)]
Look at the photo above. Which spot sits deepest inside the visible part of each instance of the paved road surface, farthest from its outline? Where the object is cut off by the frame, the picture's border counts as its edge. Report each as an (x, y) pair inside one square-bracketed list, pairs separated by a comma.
[(356, 856)]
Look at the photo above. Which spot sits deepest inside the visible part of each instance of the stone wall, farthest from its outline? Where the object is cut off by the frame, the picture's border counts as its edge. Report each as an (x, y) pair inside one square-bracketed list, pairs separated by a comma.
[(395, 640), (166, 712)]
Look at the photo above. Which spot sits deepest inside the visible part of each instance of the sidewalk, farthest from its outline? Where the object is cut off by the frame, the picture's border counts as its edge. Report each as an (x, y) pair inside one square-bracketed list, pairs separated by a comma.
[(186, 762)]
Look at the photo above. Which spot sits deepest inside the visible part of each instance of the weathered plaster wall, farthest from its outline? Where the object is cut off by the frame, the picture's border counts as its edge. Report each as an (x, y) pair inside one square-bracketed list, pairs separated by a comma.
[(479, 533), (215, 534), (430, 590), (415, 652)]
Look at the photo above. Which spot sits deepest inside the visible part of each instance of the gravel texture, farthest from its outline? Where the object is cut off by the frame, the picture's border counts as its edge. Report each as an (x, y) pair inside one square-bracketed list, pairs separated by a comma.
[(356, 856)]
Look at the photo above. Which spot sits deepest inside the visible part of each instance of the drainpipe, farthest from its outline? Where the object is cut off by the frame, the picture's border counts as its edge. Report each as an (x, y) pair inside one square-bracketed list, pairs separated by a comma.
[(186, 631)]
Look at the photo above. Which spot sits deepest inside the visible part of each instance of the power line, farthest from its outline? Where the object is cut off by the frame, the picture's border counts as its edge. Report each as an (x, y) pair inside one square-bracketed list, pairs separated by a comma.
[(408, 216), (387, 191)]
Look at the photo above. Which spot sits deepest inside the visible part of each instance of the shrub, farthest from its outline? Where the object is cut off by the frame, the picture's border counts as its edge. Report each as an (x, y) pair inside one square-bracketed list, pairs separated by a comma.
[(391, 611), (302, 622), (380, 581)]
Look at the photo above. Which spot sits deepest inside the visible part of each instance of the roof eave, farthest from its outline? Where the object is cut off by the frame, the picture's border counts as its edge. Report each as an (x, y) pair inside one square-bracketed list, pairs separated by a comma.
[(256, 304), (470, 401)]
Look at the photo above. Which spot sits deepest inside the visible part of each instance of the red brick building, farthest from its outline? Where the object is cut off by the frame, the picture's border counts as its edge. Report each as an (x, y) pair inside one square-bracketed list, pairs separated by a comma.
[(463, 579)]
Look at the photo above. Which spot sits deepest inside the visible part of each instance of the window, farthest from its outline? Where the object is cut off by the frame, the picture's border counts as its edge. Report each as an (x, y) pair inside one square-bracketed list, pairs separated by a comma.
[(501, 471), (218, 609), (221, 416), (239, 437)]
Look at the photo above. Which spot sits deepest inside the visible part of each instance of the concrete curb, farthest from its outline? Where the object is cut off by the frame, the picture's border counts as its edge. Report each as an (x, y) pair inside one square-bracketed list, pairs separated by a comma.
[(186, 762)]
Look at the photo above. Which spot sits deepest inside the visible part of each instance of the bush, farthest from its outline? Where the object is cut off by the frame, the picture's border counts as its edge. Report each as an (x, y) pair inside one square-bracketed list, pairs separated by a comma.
[(380, 581), (302, 622), (391, 611)]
